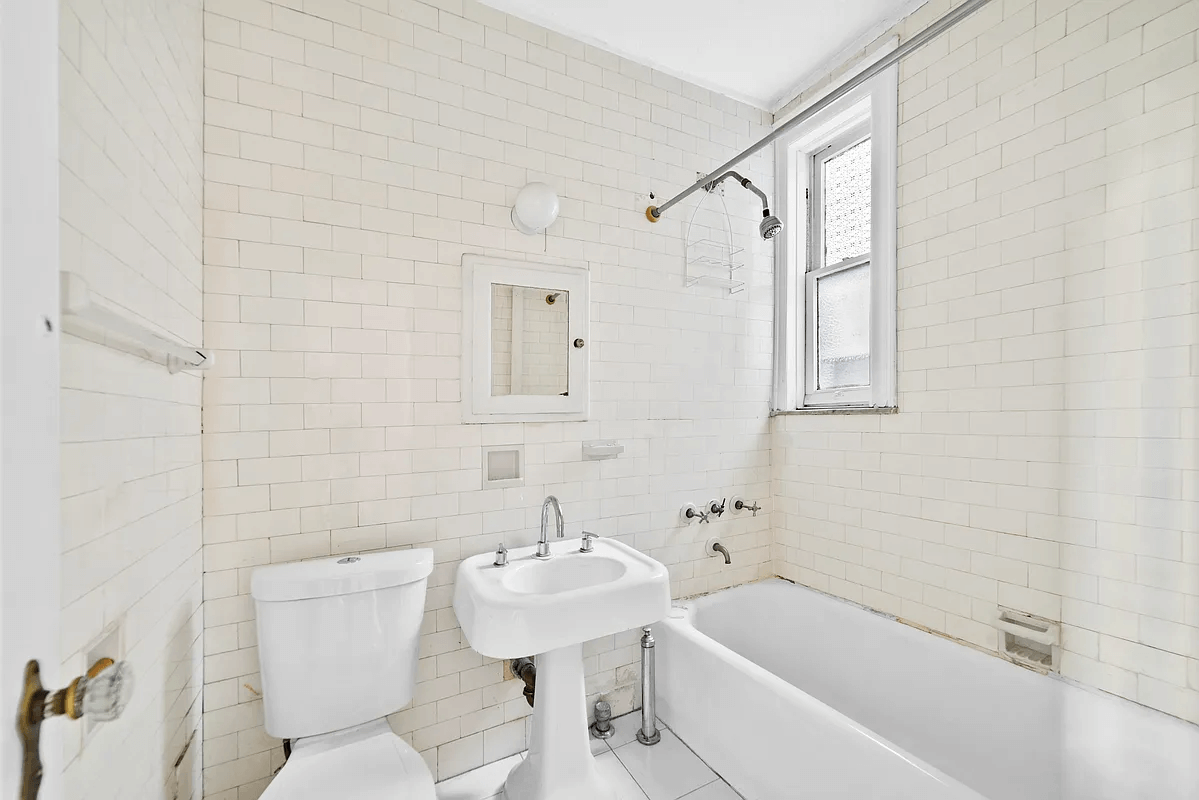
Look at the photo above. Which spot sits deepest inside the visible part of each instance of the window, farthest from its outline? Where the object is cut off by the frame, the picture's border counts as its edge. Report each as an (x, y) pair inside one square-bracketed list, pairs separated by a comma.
[(835, 326)]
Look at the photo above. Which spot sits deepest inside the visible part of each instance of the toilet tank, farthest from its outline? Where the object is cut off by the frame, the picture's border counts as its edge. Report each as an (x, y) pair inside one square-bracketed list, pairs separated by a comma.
[(338, 639)]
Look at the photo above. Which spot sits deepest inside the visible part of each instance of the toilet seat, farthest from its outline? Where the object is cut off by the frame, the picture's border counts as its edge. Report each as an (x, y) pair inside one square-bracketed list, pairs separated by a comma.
[(368, 762)]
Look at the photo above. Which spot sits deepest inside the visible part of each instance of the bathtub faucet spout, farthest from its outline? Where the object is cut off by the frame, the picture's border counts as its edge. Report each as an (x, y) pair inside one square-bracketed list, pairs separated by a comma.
[(719, 548)]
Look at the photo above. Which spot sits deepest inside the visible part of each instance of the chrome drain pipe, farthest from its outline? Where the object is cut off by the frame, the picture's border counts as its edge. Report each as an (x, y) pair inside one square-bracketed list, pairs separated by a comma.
[(648, 734)]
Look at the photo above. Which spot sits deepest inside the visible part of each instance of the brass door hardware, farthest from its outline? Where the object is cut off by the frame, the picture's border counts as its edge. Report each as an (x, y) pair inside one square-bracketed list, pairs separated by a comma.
[(101, 694)]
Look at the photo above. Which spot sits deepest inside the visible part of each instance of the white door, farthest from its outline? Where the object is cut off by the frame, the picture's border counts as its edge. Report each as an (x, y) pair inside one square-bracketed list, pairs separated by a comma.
[(29, 489)]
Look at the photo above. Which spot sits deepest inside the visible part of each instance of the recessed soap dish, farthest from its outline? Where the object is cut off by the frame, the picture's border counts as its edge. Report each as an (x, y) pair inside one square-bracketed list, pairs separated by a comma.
[(1032, 641)]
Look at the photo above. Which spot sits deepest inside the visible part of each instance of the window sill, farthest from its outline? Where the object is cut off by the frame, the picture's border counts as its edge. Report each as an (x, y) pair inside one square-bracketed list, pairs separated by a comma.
[(830, 410)]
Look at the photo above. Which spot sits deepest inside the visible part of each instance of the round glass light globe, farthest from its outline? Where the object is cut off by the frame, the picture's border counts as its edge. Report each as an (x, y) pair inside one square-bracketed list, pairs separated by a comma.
[(535, 209)]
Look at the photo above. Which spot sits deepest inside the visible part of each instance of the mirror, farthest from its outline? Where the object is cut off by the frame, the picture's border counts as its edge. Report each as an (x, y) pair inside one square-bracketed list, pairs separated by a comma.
[(526, 349), (530, 330)]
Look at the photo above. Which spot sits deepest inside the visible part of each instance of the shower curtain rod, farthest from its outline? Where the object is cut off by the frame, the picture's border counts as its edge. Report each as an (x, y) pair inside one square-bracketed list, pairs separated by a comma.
[(654, 213)]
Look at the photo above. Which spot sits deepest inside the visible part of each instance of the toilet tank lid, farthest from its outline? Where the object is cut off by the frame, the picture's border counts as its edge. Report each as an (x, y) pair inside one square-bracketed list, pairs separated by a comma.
[(328, 577)]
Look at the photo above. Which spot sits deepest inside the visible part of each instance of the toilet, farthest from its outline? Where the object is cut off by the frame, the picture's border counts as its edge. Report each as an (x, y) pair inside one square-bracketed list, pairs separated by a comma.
[(338, 641)]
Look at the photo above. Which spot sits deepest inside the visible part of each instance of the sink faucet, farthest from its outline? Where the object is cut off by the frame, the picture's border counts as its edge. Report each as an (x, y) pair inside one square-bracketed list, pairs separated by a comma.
[(543, 545)]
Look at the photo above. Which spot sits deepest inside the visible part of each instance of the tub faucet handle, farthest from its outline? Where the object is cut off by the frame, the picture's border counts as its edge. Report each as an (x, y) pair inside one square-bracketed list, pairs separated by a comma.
[(717, 508), (691, 513), (741, 505)]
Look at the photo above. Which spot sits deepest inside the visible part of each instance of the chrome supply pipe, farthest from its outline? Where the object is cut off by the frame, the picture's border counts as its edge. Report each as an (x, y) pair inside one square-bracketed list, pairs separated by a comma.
[(648, 734), (602, 727), (654, 213)]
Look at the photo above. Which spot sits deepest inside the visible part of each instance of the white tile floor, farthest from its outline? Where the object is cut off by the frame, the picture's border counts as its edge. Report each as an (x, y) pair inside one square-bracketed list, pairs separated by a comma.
[(666, 771)]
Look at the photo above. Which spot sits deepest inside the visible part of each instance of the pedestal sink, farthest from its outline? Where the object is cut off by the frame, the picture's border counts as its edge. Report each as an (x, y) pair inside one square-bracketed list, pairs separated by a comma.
[(549, 608)]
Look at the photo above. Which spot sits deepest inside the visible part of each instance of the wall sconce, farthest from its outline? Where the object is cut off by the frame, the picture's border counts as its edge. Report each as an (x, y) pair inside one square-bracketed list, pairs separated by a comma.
[(535, 209)]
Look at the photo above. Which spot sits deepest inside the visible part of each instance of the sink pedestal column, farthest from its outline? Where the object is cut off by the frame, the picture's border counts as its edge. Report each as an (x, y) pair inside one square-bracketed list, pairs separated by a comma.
[(559, 765)]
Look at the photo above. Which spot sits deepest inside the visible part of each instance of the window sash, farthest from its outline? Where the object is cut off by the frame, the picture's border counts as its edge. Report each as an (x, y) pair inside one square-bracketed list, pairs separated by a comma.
[(851, 138), (816, 269), (813, 395)]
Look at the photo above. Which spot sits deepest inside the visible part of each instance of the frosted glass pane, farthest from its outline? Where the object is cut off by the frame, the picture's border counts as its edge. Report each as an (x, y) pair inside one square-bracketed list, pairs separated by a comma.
[(843, 328), (847, 204)]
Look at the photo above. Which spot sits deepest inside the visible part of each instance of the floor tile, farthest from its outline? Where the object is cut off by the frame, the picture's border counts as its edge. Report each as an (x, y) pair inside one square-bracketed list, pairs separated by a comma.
[(667, 770), (610, 767), (478, 784), (716, 790), (625, 728)]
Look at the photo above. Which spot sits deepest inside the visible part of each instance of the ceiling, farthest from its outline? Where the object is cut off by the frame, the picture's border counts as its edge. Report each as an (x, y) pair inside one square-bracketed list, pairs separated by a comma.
[(759, 51)]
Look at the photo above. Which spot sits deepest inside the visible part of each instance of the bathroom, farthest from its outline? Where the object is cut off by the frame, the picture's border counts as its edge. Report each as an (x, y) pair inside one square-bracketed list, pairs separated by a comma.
[(247, 260)]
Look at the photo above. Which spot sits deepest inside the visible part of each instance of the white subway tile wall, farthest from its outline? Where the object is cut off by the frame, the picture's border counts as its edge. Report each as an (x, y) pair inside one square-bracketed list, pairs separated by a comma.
[(1045, 457), (501, 340), (131, 195), (354, 151)]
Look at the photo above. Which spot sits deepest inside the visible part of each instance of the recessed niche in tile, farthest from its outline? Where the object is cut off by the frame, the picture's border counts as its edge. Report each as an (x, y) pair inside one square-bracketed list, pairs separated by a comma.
[(503, 466)]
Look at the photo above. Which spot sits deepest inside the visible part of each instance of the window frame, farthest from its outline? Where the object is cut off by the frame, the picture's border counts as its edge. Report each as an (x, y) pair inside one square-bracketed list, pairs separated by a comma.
[(873, 106)]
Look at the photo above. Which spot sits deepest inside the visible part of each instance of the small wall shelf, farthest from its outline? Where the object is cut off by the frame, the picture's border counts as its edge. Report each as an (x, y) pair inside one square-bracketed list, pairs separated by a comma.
[(602, 450), (83, 314)]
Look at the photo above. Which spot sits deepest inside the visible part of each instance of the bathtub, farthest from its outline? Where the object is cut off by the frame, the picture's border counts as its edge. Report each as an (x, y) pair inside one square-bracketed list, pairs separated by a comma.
[(789, 693)]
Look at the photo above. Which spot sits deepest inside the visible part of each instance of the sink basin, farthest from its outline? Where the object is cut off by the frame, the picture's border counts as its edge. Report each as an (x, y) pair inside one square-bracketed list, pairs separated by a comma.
[(532, 606), (563, 575)]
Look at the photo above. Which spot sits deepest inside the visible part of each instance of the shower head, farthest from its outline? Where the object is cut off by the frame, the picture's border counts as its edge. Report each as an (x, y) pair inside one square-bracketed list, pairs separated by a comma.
[(771, 225)]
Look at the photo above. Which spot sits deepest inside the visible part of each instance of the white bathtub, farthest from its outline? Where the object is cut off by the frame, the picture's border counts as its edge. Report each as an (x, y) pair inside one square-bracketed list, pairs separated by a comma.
[(788, 693)]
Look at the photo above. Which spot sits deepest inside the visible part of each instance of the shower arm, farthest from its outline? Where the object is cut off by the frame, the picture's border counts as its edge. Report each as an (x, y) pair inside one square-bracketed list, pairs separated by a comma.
[(746, 182), (654, 213)]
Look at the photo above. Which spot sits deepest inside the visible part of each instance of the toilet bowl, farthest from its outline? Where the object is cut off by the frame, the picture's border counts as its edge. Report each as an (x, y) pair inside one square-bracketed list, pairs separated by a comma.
[(338, 641)]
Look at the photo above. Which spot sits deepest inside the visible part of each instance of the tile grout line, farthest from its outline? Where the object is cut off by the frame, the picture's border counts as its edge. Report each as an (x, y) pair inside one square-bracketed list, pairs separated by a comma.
[(719, 777)]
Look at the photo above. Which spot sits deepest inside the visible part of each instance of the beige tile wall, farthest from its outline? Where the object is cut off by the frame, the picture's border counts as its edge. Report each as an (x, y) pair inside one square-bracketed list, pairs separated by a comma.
[(1045, 456), (354, 152), (131, 189)]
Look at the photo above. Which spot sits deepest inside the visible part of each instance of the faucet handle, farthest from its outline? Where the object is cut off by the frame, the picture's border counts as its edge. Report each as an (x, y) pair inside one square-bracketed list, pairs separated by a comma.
[(741, 505), (501, 556), (586, 547)]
